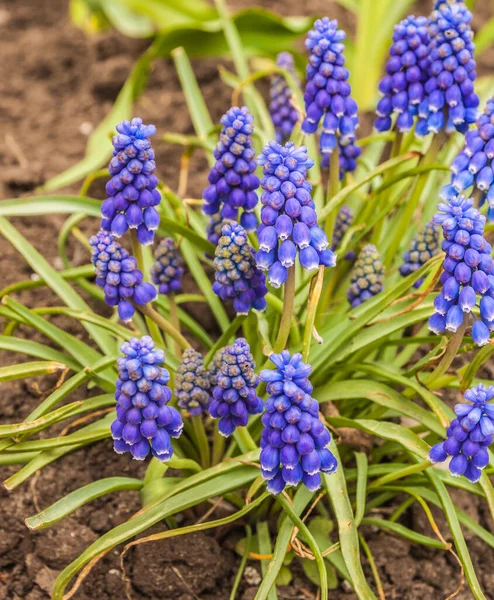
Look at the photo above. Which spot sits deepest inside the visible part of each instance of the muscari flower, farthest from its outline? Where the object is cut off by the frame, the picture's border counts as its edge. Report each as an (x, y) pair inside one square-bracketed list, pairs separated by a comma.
[(367, 278), (468, 435), (294, 440), (232, 179), (328, 94), (118, 275), (192, 385), (132, 193), (450, 100), (234, 395), (343, 221), (424, 246), (215, 366), (144, 422), (406, 73), (236, 276), (474, 165), (214, 227), (289, 220), (167, 270), (468, 271), (283, 112)]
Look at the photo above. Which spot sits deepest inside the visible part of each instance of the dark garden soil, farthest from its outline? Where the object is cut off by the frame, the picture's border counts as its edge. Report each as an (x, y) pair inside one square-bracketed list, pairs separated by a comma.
[(55, 86)]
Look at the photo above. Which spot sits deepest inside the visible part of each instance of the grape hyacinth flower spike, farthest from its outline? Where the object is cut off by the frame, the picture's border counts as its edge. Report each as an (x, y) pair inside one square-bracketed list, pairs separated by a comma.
[(118, 275), (406, 73), (289, 220), (236, 276), (167, 270), (468, 271), (343, 221), (450, 102), (233, 182), (424, 246), (283, 112), (367, 278), (474, 165), (294, 441), (468, 435), (328, 95), (192, 384), (145, 423), (132, 193), (234, 395)]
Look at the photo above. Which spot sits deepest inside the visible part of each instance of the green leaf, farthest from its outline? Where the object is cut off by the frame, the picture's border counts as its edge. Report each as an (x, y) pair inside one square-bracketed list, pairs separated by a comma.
[(31, 348), (30, 369), (71, 502), (349, 542), (128, 22), (360, 496), (405, 532), (380, 394), (63, 290), (264, 546)]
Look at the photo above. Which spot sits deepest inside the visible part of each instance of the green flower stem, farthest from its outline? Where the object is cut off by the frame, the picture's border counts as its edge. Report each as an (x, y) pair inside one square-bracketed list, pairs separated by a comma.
[(157, 319), (243, 562), (201, 440), (174, 319), (451, 349), (286, 316), (333, 189), (155, 470), (137, 252), (244, 439), (218, 446)]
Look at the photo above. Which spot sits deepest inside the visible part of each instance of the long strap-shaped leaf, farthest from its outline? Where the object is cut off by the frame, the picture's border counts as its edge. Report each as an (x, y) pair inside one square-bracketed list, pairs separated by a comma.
[(338, 494), (61, 288), (71, 502)]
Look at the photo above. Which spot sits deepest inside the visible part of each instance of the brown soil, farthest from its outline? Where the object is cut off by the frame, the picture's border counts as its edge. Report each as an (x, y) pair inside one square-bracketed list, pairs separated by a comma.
[(55, 85)]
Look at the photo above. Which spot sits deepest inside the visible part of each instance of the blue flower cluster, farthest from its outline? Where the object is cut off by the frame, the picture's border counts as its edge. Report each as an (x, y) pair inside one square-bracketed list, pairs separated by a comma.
[(328, 94), (289, 220), (469, 435), (132, 193), (406, 73), (192, 384), (283, 113), (167, 270), (468, 271), (424, 246), (450, 99), (214, 227), (144, 422), (343, 221), (233, 182), (293, 440), (234, 394), (236, 276), (367, 278), (118, 275), (474, 165)]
